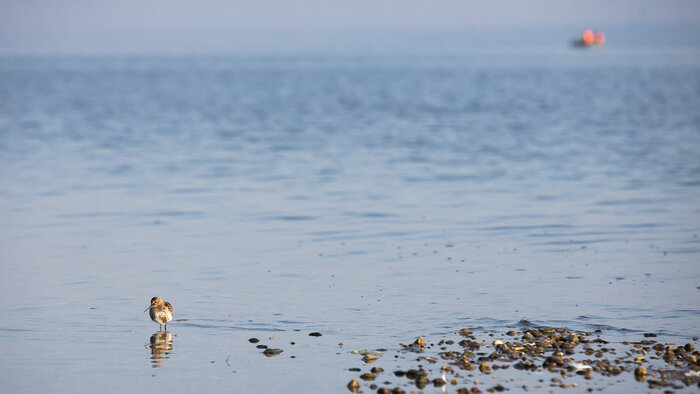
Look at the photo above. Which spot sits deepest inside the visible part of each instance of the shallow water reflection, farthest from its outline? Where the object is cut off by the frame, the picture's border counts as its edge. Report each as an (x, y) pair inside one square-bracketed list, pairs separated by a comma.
[(161, 344)]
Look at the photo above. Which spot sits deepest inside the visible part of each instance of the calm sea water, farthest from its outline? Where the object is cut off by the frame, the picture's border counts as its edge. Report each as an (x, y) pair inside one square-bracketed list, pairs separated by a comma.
[(372, 199)]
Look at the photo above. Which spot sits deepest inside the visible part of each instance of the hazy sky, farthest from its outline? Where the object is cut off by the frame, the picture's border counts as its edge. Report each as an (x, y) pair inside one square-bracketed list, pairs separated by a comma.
[(219, 25)]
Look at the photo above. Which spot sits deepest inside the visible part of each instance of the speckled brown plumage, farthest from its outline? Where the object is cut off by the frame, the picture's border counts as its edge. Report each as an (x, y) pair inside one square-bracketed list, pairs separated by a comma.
[(160, 311)]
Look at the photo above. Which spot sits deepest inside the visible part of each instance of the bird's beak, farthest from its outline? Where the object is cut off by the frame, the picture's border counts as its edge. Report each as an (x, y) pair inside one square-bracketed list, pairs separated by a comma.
[(149, 307)]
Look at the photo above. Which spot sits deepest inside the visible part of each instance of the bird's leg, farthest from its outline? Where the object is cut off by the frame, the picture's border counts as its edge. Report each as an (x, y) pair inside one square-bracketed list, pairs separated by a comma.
[(160, 327), (166, 326)]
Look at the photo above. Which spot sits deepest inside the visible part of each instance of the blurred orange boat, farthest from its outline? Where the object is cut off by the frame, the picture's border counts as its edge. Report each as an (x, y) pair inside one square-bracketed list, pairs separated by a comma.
[(589, 39)]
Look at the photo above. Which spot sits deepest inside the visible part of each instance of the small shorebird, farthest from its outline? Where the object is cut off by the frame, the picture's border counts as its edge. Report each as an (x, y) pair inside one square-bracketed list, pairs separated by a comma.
[(161, 312)]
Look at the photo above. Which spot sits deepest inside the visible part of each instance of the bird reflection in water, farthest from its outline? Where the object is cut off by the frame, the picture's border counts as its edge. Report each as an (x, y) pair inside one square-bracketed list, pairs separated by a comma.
[(161, 345)]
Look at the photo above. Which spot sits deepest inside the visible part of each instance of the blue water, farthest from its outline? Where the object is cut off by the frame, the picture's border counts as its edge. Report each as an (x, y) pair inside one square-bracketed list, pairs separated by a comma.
[(373, 199)]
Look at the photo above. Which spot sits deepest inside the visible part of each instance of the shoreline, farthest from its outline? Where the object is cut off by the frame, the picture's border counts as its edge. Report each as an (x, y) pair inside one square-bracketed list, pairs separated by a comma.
[(558, 358)]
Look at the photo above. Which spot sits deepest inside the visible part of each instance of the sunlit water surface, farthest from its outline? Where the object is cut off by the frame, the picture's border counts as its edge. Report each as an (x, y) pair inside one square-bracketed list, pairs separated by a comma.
[(370, 199)]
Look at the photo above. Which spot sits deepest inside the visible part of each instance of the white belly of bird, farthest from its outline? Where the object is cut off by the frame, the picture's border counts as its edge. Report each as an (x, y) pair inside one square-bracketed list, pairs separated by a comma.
[(161, 316)]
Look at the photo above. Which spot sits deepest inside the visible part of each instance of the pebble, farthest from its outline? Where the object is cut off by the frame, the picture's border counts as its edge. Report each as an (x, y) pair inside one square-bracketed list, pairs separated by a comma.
[(272, 352), (539, 350), (640, 373), (354, 386), (422, 381), (420, 341), (465, 332), (369, 358), (315, 334), (485, 368), (368, 376), (554, 361)]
